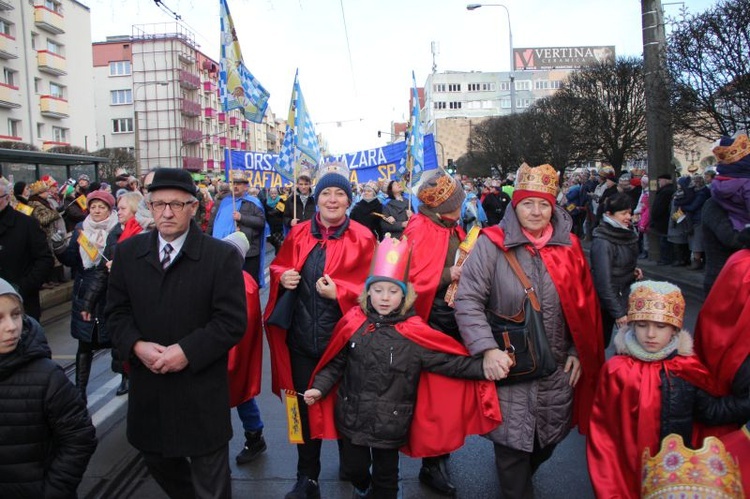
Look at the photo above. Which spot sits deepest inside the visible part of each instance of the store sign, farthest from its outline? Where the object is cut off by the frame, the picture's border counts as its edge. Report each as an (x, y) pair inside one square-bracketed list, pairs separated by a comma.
[(561, 57)]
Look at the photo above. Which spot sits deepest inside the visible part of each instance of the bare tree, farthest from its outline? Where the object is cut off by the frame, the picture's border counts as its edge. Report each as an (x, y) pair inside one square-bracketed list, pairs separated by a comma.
[(119, 158), (708, 59), (21, 146)]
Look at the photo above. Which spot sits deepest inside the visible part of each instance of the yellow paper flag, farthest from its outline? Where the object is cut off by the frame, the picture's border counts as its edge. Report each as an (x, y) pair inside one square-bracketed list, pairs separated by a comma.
[(81, 200), (25, 209), (293, 417), (87, 246)]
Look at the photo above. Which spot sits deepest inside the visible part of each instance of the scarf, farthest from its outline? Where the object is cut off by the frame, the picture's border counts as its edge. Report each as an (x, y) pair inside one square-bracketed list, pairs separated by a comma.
[(96, 233), (272, 202), (541, 241), (130, 228), (614, 223), (636, 350)]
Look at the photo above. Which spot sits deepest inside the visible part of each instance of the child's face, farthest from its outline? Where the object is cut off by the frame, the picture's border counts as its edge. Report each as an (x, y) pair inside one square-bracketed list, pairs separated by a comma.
[(385, 296), (653, 336), (11, 322)]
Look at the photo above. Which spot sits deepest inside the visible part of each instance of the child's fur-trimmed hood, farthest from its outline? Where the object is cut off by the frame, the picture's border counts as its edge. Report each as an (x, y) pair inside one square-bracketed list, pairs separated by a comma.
[(684, 343)]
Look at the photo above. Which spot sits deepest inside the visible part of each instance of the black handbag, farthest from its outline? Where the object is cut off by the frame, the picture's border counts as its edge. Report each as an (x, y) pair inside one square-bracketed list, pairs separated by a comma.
[(283, 310), (522, 336)]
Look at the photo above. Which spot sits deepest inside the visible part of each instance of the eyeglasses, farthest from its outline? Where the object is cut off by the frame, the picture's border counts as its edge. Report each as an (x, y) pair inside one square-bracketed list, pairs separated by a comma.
[(175, 206)]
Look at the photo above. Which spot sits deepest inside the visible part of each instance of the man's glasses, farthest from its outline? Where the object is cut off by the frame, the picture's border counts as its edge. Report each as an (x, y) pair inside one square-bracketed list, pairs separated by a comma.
[(175, 206)]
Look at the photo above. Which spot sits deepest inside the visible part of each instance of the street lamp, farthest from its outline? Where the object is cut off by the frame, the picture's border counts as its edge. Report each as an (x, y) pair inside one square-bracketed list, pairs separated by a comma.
[(137, 86), (474, 6)]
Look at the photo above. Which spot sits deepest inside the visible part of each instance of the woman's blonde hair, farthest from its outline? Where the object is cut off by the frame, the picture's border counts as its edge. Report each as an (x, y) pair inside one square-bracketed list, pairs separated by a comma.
[(406, 304), (131, 199)]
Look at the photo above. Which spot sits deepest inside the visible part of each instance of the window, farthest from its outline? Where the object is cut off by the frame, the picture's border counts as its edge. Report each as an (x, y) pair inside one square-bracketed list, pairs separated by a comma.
[(119, 68), (14, 127), (488, 87), (474, 87), (56, 90), (523, 103), (454, 87), (473, 105), (118, 97), (504, 85), (40, 130), (37, 85), (122, 125), (439, 105), (59, 134), (5, 28), (505, 103), (34, 37), (10, 77), (439, 87), (523, 85), (547, 84), (54, 47), (481, 87), (53, 6), (455, 105)]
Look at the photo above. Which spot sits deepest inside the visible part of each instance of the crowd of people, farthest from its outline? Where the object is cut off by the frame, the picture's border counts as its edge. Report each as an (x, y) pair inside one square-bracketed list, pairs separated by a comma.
[(403, 318)]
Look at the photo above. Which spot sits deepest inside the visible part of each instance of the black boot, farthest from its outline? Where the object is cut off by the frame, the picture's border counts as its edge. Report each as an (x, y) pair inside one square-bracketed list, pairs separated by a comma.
[(305, 488), (83, 370), (124, 385), (434, 474), (255, 445)]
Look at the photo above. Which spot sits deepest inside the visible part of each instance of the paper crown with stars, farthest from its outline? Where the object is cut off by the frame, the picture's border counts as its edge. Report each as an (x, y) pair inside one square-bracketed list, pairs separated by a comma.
[(391, 262)]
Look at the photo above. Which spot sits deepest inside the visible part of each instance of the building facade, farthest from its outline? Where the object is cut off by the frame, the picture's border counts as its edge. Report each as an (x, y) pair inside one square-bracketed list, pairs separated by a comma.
[(157, 94), (47, 82)]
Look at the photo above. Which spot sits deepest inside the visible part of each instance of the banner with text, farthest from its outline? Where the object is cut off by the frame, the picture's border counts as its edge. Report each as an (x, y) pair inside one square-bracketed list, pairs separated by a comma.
[(371, 164)]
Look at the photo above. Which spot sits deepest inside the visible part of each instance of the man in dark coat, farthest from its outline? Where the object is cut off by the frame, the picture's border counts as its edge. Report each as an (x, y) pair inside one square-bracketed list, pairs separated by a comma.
[(494, 204), (660, 217), (176, 304), (25, 257), (301, 205)]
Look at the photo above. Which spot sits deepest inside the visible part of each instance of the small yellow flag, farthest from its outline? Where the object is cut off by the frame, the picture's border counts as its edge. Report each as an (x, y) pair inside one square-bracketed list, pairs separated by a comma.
[(25, 209), (89, 247), (293, 417), (81, 200)]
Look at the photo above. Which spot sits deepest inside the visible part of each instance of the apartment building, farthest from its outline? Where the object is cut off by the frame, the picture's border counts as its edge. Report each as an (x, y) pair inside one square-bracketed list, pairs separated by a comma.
[(157, 94), (47, 81)]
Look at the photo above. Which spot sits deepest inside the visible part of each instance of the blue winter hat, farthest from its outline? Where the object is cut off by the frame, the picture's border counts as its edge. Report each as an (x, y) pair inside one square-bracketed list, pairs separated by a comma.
[(334, 174)]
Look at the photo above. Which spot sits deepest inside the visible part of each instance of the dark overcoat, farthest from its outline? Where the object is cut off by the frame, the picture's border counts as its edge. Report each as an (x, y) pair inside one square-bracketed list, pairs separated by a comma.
[(197, 302)]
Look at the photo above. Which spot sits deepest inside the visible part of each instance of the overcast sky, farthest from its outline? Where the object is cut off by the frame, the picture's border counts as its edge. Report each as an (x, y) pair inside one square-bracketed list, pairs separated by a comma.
[(364, 84)]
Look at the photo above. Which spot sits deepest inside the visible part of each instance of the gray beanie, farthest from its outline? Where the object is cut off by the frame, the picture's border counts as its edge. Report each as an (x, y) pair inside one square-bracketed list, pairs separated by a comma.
[(7, 289), (441, 193), (238, 240)]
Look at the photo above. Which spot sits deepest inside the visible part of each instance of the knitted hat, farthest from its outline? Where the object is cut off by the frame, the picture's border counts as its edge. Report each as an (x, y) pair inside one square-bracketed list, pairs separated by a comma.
[(103, 196), (239, 241), (677, 471), (656, 301), (83, 176), (172, 178), (18, 188), (7, 289), (334, 174), (38, 187), (535, 182), (441, 193), (391, 262)]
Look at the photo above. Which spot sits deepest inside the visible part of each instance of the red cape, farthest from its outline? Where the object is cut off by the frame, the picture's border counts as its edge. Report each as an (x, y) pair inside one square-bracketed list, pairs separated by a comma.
[(722, 338), (347, 262), (626, 419), (738, 445), (447, 409), (245, 365), (429, 248), (570, 272)]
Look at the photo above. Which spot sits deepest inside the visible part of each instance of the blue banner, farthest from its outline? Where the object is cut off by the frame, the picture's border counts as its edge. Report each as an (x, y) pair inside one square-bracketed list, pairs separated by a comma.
[(372, 164)]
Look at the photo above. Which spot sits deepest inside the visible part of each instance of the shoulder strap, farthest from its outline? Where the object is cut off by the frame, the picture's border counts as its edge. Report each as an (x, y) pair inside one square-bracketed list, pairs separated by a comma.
[(527, 287)]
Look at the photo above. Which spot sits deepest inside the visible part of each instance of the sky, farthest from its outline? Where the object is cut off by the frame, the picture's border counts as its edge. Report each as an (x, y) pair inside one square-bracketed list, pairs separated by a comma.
[(355, 57)]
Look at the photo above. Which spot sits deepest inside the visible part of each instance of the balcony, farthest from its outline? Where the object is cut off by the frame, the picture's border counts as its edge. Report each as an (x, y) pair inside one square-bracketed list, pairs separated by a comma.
[(210, 163), (209, 86), (209, 113), (51, 63), (192, 163), (49, 144), (8, 47), (233, 121), (222, 117), (243, 145), (10, 98), (186, 57), (223, 141), (244, 124), (190, 136), (53, 107), (234, 144), (189, 80), (190, 108), (6, 5), (10, 138), (48, 20)]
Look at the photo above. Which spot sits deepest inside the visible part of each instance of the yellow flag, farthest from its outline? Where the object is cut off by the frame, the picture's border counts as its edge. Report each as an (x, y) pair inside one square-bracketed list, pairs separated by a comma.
[(87, 246), (293, 417), (25, 209), (81, 200)]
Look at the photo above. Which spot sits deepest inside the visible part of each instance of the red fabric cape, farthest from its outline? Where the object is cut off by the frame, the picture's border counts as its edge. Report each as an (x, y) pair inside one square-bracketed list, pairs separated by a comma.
[(738, 445), (626, 419), (447, 409), (722, 332), (570, 272), (429, 248), (347, 262), (245, 363)]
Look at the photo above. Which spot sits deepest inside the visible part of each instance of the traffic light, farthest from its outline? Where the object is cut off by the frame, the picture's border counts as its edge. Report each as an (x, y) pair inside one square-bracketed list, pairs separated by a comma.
[(379, 134)]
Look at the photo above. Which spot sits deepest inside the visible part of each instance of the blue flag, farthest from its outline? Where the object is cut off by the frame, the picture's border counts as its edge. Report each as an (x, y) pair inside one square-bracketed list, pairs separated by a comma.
[(238, 88), (414, 158), (300, 149)]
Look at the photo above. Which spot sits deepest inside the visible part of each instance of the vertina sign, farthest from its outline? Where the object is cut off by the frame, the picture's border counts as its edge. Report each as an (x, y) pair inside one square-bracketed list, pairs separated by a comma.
[(561, 57)]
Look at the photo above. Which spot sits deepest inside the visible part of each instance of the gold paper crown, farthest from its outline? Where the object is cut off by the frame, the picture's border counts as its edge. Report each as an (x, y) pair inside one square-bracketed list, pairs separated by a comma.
[(656, 301), (435, 195), (607, 171), (38, 187), (734, 152), (677, 472), (541, 178)]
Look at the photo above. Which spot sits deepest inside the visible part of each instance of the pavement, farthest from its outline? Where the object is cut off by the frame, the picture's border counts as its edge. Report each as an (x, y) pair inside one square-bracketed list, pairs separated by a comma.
[(116, 469)]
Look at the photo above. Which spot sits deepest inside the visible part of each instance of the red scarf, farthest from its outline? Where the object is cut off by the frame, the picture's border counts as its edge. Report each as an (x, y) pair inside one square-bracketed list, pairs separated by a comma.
[(131, 228)]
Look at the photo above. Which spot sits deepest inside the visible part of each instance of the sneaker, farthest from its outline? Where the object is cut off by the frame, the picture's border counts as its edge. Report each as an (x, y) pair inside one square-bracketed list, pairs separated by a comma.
[(305, 488), (361, 494), (437, 478), (255, 445)]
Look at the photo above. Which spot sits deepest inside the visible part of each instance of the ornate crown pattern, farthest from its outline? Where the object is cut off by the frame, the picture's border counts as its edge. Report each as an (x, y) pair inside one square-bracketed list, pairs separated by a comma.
[(541, 178), (677, 472), (734, 152), (337, 167), (647, 304), (435, 195)]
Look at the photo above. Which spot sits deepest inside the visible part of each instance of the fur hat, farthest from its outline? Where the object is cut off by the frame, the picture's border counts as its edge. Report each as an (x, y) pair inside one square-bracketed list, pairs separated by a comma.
[(441, 193), (535, 182), (334, 174), (239, 241), (7, 289), (391, 262), (103, 196), (172, 178), (656, 301)]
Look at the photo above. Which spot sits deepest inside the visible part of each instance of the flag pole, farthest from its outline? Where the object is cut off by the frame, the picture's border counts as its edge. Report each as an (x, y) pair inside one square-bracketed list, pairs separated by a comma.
[(231, 186)]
